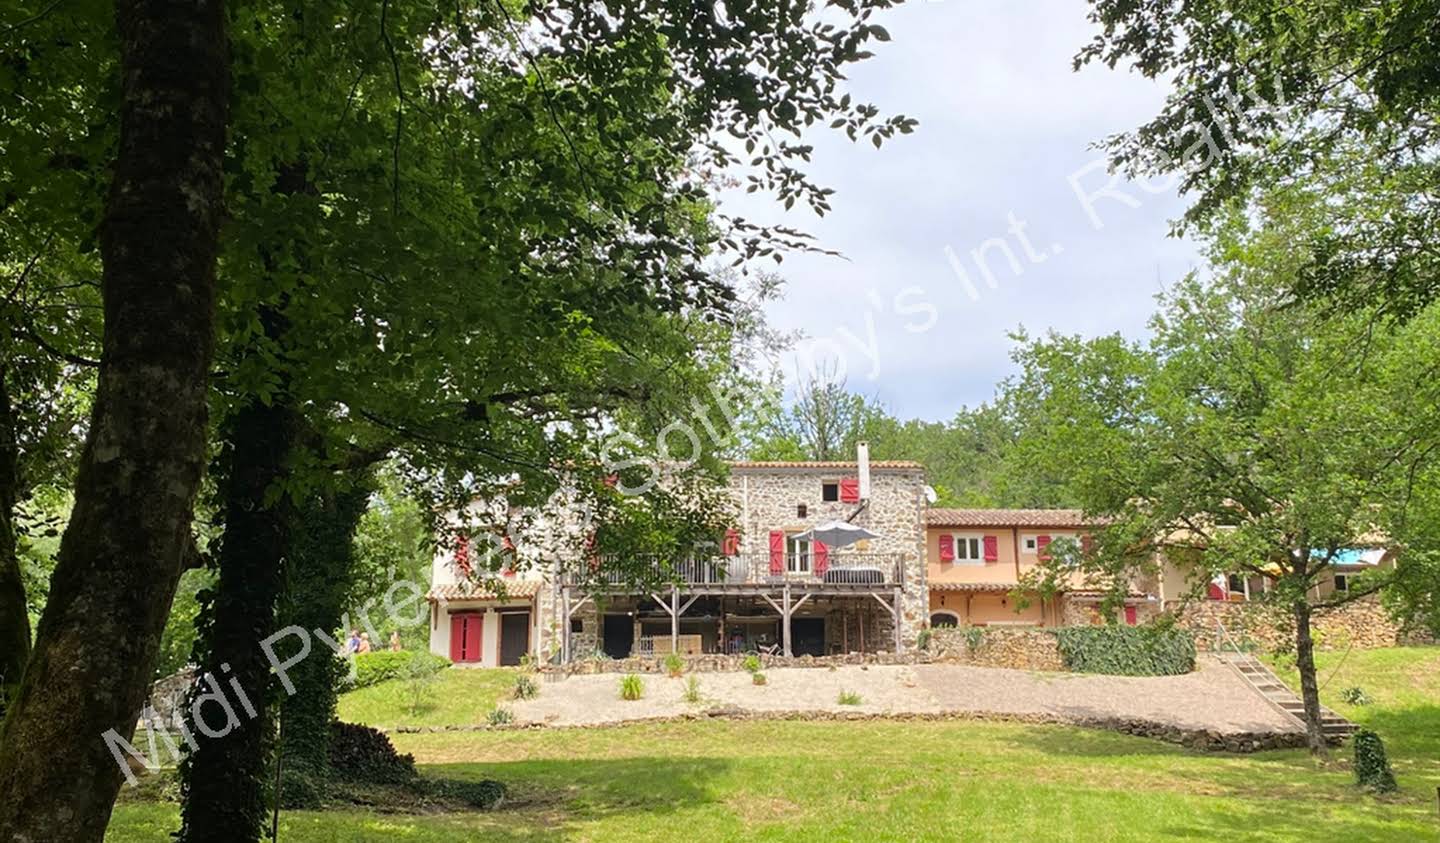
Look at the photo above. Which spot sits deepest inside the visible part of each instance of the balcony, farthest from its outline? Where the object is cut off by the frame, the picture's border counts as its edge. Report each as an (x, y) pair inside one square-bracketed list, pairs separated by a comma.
[(844, 571)]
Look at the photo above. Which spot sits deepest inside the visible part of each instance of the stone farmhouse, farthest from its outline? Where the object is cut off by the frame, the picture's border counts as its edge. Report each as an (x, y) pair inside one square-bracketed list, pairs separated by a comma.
[(771, 589)]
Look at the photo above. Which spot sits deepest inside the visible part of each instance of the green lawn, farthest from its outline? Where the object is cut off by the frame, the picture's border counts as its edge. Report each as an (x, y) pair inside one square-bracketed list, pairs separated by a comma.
[(1404, 683), (872, 780), (458, 697)]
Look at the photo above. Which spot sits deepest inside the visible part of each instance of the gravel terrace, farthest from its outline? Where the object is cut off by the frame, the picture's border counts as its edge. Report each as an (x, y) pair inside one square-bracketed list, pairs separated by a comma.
[(1213, 698)]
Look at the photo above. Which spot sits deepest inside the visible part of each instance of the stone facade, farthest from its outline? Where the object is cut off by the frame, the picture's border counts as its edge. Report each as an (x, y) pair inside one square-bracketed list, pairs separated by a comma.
[(770, 496), (1363, 624), (1018, 649)]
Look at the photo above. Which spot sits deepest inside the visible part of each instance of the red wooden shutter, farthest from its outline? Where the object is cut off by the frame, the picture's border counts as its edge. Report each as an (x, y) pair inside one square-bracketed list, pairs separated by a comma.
[(1130, 615), (474, 629), (1087, 543), (1042, 542), (947, 548), (992, 548), (822, 558), (849, 489), (731, 545), (777, 551), (1215, 592), (457, 638)]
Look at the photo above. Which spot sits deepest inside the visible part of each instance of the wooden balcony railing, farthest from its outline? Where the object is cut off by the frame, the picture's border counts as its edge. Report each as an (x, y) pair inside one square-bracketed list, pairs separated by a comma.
[(842, 569)]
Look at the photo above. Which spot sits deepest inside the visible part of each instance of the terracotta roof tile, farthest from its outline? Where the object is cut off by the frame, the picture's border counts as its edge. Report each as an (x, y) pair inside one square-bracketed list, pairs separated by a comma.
[(837, 464), (972, 586), (1004, 518), (476, 591)]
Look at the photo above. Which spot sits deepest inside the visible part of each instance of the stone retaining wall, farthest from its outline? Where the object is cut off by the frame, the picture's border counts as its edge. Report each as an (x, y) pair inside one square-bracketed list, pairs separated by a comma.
[(1199, 739), (1019, 649), (716, 663), (1363, 624)]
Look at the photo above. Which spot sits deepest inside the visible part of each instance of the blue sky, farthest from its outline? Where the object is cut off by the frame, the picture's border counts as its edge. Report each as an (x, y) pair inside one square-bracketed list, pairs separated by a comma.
[(1006, 130)]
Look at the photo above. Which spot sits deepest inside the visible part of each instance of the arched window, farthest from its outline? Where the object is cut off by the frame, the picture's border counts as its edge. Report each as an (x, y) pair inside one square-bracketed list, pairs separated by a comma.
[(939, 619)]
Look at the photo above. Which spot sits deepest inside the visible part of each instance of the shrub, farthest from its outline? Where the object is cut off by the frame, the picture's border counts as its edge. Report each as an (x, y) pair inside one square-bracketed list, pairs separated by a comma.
[(751, 663), (692, 689), (1355, 696), (674, 665), (849, 698), (922, 641), (757, 678), (362, 754), (486, 794), (501, 716), (632, 687), (382, 665), (1372, 768), (1127, 650), (525, 687), (974, 637)]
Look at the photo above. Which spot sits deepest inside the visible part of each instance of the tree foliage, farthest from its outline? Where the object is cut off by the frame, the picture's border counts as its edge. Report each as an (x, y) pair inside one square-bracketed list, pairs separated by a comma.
[(1336, 100)]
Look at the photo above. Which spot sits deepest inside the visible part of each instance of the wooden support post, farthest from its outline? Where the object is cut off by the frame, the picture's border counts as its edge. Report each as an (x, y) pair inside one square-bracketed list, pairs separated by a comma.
[(674, 619), (565, 625), (786, 616), (899, 642)]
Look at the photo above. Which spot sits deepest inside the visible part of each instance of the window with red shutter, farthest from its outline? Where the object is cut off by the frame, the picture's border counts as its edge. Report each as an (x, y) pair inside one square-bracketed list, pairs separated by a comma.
[(731, 545), (849, 489), (822, 558), (947, 548), (1131, 616), (1041, 543), (992, 548), (777, 551)]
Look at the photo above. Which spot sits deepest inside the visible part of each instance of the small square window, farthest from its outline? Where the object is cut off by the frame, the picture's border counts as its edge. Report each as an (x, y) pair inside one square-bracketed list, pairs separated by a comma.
[(1342, 582), (830, 491), (802, 511), (1030, 543), (577, 625)]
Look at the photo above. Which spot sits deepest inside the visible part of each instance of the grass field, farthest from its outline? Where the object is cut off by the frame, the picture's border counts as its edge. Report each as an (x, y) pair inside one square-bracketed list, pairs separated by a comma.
[(722, 780), (458, 697)]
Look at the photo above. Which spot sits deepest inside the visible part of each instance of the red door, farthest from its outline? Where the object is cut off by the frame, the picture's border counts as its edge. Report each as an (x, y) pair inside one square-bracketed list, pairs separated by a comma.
[(1130, 615), (465, 638)]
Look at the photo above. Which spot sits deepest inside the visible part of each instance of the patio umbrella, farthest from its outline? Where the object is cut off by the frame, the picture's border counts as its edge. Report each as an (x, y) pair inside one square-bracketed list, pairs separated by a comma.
[(837, 533)]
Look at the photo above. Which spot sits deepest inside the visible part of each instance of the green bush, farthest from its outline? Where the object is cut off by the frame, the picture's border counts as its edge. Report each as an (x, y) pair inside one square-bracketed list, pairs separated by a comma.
[(1372, 768), (849, 698), (632, 687), (692, 689), (757, 678), (362, 754), (922, 641), (674, 665), (751, 663), (1355, 696), (382, 665), (525, 687), (1127, 650), (500, 717)]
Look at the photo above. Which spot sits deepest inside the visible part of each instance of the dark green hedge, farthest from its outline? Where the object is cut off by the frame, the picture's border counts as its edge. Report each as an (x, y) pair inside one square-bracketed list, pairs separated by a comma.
[(1127, 650), (1372, 768), (374, 668)]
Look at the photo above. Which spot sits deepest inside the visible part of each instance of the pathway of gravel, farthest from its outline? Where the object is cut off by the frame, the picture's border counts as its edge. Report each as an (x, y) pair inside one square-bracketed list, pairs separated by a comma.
[(1212, 699)]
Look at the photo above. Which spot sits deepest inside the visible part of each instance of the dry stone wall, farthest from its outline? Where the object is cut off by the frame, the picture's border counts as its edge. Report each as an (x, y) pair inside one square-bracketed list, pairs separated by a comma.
[(1363, 624), (1018, 649)]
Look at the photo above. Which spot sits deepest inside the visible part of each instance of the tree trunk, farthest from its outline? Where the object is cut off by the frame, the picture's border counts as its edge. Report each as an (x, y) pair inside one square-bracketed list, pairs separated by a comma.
[(130, 528), (225, 781), (1309, 687), (322, 568), (14, 614)]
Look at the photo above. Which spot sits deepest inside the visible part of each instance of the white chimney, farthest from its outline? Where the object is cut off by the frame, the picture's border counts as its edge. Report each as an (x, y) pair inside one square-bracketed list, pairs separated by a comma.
[(862, 458)]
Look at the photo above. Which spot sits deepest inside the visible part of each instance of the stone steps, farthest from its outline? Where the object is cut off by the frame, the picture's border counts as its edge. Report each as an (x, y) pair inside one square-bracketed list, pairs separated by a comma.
[(1268, 685)]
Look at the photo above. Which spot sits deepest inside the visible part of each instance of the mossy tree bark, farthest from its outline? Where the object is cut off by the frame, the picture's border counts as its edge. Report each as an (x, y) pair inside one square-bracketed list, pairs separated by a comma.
[(1309, 686), (224, 776), (130, 528), (14, 614)]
